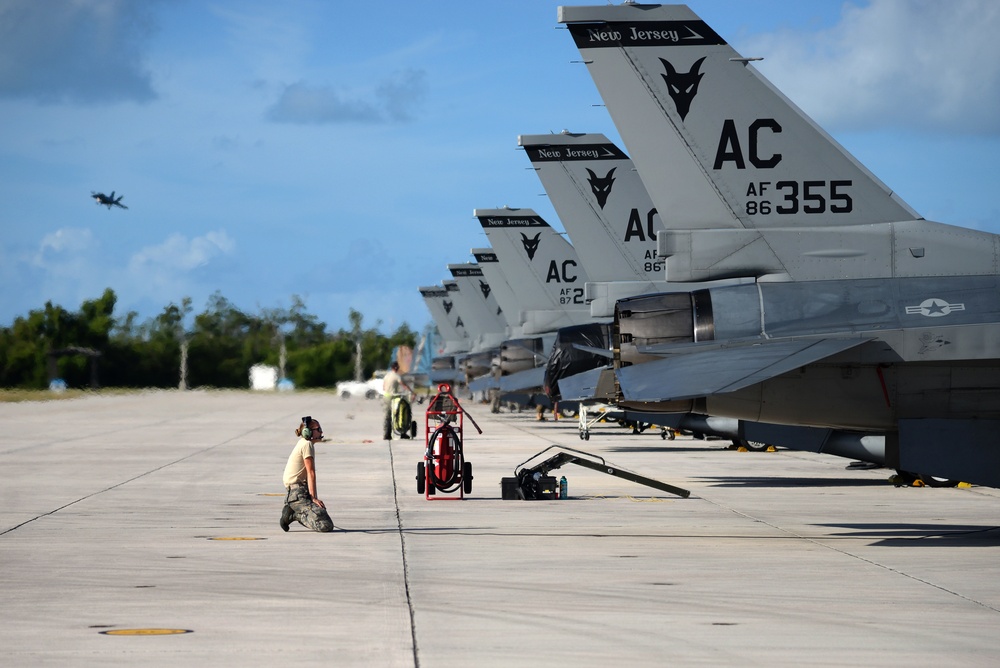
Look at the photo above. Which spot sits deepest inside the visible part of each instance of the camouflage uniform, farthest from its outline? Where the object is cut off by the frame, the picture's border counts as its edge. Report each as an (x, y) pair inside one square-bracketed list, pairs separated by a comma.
[(299, 506)]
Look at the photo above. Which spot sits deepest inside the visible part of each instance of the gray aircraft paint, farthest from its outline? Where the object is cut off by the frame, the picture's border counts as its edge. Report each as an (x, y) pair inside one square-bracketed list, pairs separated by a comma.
[(542, 268), (457, 340), (602, 203), (757, 189), (481, 312), (751, 185), (607, 212), (604, 206), (508, 301)]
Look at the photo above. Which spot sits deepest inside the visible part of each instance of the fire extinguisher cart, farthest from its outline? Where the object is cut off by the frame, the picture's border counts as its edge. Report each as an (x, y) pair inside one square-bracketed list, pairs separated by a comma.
[(444, 468)]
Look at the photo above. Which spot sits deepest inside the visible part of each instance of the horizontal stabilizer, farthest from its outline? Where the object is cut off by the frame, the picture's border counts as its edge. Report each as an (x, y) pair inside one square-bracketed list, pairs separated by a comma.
[(529, 379), (582, 386), (483, 383), (716, 371), (600, 352)]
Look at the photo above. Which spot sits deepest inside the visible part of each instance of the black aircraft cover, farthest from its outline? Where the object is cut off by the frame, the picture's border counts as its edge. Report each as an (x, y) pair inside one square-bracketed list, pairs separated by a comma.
[(567, 359)]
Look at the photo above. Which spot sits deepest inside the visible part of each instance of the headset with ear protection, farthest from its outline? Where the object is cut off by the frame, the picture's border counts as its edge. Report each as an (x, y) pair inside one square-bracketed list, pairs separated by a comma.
[(306, 431)]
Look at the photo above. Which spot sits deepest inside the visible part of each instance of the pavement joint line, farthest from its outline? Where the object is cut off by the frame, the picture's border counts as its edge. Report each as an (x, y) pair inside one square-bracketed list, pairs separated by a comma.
[(125, 482), (406, 567), (846, 553)]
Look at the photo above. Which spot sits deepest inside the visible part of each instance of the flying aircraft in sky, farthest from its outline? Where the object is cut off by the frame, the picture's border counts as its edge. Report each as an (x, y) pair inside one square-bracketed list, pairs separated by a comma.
[(860, 317), (108, 200)]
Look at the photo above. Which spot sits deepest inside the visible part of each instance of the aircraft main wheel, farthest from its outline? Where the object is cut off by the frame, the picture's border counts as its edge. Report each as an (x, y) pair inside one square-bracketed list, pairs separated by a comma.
[(467, 477), (421, 478), (933, 481), (752, 446)]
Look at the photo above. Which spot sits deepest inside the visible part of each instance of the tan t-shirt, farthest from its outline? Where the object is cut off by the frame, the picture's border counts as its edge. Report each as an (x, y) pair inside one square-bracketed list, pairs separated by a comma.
[(295, 469), (390, 384)]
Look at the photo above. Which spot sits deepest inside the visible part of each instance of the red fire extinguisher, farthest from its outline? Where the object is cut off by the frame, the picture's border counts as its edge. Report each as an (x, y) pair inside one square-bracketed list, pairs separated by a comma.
[(444, 455)]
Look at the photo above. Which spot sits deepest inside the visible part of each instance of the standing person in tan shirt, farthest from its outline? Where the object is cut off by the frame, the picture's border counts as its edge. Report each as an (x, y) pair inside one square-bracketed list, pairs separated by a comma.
[(301, 503), (390, 387)]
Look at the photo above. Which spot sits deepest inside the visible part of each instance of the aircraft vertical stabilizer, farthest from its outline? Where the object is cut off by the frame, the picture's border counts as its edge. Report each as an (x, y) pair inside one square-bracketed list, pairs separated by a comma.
[(485, 319), (541, 267), (748, 184), (452, 330), (509, 302), (601, 201), (678, 92)]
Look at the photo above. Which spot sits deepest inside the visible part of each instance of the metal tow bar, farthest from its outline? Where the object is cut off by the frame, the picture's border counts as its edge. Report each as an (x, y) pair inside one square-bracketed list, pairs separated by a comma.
[(535, 483)]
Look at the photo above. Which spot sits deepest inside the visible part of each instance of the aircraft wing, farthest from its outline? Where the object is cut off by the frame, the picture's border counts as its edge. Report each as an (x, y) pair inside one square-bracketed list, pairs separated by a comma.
[(483, 383), (584, 386), (600, 352), (523, 380), (717, 371)]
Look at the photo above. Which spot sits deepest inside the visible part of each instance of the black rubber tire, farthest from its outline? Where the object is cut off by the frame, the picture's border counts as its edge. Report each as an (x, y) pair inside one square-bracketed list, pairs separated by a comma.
[(421, 478), (931, 481), (413, 429), (467, 477), (752, 446), (371, 394)]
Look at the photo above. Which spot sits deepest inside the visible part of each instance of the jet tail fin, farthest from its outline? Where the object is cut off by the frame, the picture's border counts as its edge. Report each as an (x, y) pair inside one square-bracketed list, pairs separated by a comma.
[(541, 267), (601, 201), (716, 143)]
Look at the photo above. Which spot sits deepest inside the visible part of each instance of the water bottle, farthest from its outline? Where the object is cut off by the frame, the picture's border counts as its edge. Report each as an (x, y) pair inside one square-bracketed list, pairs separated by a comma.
[(563, 487)]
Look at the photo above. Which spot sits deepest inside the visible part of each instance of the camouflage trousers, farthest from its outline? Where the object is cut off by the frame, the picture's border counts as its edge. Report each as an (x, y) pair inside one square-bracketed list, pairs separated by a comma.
[(299, 505), (386, 418)]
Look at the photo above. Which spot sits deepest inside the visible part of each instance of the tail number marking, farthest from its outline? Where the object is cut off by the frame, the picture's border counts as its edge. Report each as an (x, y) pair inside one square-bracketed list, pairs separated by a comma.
[(799, 196), (571, 296)]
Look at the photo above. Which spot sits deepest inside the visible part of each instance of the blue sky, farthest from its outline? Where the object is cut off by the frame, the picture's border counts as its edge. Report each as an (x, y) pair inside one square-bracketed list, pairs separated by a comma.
[(336, 150)]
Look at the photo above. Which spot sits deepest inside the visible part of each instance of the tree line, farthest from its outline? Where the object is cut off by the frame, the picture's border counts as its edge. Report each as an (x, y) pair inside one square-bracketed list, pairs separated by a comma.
[(92, 347)]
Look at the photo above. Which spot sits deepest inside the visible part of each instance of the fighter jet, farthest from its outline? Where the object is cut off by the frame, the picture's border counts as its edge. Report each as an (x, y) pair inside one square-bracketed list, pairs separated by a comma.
[(108, 200), (861, 318)]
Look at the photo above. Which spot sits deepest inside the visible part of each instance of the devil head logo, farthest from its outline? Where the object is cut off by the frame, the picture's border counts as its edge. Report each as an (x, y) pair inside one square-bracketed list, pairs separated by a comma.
[(530, 245), (447, 306), (601, 187), (682, 86), (485, 287)]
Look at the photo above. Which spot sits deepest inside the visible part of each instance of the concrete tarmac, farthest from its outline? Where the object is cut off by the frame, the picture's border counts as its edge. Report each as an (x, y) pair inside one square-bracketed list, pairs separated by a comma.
[(126, 517)]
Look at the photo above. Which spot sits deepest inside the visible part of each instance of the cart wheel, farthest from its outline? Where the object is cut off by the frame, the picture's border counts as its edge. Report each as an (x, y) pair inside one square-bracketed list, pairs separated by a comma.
[(421, 478), (586, 435), (467, 477), (413, 429), (581, 435)]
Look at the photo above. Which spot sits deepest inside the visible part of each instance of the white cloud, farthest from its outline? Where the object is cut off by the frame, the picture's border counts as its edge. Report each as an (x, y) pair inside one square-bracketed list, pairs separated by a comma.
[(914, 64), (179, 254), (394, 100), (56, 247)]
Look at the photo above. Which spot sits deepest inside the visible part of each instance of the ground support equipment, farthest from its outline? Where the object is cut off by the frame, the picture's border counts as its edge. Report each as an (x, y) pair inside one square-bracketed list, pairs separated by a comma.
[(444, 468), (532, 483), (401, 412), (592, 414)]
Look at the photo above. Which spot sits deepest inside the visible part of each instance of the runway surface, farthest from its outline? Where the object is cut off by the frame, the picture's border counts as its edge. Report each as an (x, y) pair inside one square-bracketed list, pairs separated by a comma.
[(125, 517)]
